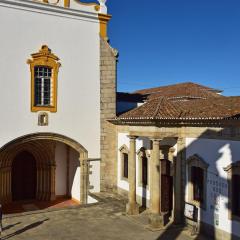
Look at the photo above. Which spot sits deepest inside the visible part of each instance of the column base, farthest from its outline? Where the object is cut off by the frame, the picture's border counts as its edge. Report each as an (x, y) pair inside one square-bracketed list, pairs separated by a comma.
[(156, 221), (132, 209), (52, 197)]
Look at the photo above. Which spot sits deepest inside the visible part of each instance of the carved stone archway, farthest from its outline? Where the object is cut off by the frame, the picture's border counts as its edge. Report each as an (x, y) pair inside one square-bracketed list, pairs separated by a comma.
[(42, 147)]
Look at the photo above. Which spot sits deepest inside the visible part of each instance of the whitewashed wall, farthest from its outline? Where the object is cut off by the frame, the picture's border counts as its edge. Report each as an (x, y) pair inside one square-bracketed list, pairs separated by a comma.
[(94, 177), (74, 174), (74, 38), (218, 154)]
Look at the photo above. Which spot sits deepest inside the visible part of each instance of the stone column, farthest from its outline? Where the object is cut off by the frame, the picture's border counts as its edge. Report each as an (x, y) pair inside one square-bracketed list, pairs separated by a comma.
[(179, 185), (67, 174), (132, 207), (155, 217), (9, 194), (83, 181), (53, 183)]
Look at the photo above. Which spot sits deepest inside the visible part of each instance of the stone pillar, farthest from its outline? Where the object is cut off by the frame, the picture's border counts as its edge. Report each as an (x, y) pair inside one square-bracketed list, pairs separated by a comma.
[(83, 181), (4, 186), (67, 175), (132, 207), (44, 183), (1, 185), (53, 183), (179, 185), (41, 187), (155, 217), (9, 180)]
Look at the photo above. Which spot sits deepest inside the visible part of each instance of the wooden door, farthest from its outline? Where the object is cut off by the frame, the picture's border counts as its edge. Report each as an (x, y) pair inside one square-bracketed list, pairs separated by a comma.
[(24, 177)]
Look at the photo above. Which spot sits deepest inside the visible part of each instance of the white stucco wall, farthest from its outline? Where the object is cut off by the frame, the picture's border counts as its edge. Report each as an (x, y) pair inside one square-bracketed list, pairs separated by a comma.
[(94, 177), (218, 154), (74, 174), (74, 38)]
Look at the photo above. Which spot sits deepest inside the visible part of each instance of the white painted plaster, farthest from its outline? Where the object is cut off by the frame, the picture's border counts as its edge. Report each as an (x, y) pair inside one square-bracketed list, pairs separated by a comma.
[(218, 154), (75, 40), (74, 174), (94, 177)]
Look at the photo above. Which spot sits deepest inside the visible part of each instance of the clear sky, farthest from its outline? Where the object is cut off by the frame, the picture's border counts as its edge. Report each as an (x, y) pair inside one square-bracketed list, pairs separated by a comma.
[(169, 41)]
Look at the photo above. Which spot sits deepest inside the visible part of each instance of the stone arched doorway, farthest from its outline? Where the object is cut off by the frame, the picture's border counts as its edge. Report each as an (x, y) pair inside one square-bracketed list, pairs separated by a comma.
[(24, 176), (41, 148)]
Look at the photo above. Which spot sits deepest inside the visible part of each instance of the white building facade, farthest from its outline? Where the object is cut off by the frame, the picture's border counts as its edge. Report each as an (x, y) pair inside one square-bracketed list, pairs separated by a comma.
[(51, 90)]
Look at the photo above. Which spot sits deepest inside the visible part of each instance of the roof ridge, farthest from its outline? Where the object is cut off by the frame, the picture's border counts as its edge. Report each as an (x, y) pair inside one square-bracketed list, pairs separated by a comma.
[(158, 107)]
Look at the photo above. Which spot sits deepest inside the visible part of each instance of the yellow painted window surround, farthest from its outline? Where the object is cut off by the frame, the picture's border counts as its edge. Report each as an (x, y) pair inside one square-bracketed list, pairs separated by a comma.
[(44, 59)]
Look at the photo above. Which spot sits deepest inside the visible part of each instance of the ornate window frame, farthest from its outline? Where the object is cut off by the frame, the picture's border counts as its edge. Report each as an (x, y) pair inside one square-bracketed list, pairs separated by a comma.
[(197, 161), (123, 150), (44, 58), (232, 169), (142, 152)]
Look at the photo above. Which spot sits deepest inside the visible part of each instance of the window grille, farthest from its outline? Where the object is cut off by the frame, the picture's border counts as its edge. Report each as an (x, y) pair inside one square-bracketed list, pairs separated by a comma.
[(43, 91)]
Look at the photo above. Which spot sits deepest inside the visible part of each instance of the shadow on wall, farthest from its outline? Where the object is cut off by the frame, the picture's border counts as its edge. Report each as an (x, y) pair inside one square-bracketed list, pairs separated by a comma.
[(218, 154)]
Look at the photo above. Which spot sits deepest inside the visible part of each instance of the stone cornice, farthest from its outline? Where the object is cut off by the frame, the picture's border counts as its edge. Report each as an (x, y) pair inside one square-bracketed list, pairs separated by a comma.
[(177, 122), (49, 9)]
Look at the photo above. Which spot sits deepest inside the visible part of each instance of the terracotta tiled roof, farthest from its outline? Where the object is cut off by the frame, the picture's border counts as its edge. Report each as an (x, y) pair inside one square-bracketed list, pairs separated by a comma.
[(163, 108), (187, 90)]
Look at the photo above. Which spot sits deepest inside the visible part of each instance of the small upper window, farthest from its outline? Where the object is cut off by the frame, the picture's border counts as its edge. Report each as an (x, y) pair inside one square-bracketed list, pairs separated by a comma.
[(143, 175), (124, 162), (125, 165), (44, 67), (198, 183), (233, 175), (235, 195)]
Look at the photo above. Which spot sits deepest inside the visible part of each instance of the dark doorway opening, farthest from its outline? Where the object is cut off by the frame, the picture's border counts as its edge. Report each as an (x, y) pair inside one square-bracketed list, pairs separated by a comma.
[(24, 176)]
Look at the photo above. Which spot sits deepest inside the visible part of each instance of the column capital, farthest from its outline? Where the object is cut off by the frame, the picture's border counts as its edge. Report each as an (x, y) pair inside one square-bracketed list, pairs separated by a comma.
[(179, 139), (156, 140), (131, 137), (172, 149)]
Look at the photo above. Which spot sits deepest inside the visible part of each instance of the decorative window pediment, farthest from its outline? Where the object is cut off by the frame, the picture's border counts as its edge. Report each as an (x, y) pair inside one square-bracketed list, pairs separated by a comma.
[(124, 149), (44, 67), (231, 166), (197, 161)]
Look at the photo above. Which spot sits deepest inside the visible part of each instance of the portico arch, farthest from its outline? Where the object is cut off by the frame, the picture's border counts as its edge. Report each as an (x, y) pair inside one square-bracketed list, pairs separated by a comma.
[(42, 147)]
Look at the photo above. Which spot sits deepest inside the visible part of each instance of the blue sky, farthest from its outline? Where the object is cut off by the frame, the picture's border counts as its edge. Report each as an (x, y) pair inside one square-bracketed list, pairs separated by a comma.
[(169, 41)]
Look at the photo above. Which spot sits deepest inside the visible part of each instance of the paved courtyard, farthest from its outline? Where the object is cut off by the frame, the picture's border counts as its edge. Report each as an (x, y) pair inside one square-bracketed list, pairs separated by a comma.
[(102, 221)]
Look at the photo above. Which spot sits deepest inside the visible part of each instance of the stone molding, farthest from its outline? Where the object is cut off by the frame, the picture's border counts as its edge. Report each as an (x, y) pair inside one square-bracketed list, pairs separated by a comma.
[(49, 9)]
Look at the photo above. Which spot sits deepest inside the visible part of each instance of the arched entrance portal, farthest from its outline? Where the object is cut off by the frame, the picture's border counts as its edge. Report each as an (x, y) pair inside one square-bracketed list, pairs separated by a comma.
[(24, 176), (28, 168)]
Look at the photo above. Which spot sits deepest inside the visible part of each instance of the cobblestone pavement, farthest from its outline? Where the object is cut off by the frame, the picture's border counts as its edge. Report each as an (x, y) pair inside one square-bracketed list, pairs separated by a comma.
[(102, 221)]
